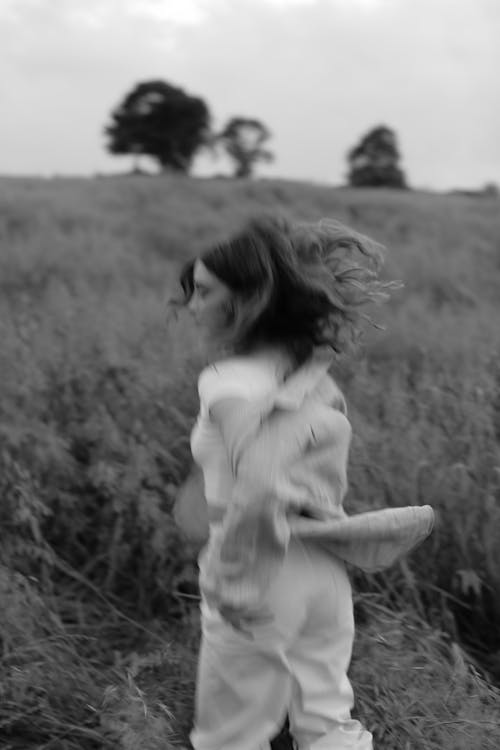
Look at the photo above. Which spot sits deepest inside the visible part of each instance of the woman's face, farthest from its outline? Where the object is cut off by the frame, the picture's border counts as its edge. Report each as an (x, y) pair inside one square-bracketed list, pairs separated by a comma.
[(210, 301)]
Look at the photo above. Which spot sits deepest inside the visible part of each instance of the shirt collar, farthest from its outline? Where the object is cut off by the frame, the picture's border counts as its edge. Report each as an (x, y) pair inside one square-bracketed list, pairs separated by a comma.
[(304, 381)]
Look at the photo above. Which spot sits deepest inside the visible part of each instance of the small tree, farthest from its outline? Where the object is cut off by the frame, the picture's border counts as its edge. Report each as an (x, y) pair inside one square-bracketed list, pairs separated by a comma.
[(243, 139), (162, 121), (491, 190), (374, 162)]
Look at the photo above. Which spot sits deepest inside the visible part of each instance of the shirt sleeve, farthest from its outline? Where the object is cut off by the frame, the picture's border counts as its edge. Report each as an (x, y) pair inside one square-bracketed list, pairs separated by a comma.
[(218, 382), (243, 560), (251, 543)]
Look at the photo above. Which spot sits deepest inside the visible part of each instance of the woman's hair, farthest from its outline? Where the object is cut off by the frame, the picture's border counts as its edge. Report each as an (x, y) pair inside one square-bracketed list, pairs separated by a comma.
[(298, 285)]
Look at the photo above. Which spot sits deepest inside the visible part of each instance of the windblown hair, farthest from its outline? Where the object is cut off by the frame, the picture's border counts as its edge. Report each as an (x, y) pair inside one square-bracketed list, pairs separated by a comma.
[(298, 285)]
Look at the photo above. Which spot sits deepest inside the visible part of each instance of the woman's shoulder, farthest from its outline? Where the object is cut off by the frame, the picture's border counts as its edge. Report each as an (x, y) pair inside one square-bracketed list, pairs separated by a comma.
[(245, 376)]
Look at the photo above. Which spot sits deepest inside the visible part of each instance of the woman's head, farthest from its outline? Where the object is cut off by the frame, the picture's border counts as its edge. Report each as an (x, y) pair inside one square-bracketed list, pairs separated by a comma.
[(297, 286)]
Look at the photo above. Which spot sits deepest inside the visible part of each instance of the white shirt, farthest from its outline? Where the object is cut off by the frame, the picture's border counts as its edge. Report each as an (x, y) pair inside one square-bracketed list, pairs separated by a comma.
[(250, 377)]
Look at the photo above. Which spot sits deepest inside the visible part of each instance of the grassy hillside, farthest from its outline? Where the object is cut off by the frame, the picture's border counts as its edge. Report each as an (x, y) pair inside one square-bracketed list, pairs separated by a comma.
[(97, 397)]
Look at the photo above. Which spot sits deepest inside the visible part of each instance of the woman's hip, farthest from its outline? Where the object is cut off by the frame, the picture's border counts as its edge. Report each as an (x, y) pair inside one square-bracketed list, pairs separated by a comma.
[(309, 584)]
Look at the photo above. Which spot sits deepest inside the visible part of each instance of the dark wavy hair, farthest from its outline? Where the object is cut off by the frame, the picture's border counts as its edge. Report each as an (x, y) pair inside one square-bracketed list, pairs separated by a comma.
[(298, 285)]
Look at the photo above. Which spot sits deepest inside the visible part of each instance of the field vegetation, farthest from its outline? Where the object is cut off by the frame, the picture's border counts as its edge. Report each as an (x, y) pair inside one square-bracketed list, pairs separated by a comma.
[(98, 623)]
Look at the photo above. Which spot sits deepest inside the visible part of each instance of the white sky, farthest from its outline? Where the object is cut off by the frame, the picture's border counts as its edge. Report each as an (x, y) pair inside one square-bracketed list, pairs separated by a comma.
[(319, 73)]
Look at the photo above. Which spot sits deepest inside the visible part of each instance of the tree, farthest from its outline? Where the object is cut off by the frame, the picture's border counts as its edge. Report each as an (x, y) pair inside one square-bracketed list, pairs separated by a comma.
[(374, 162), (243, 140), (161, 121), (490, 190)]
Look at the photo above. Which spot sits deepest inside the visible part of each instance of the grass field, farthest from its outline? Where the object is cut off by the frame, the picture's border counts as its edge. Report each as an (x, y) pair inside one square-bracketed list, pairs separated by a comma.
[(97, 397)]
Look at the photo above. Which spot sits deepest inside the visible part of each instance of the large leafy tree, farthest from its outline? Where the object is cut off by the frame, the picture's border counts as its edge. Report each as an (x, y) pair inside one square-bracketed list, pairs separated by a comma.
[(374, 162), (243, 139), (160, 121)]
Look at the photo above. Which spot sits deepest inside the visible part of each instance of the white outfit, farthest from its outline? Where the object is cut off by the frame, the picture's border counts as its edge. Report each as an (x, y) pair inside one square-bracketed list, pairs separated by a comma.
[(295, 663), (240, 377)]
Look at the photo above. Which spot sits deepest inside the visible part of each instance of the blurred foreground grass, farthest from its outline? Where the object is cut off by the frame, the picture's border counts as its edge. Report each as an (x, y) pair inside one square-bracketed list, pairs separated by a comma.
[(97, 397)]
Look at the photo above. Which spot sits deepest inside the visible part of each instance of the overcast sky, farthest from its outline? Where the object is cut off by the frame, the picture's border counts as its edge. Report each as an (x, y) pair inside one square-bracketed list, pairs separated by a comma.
[(319, 73)]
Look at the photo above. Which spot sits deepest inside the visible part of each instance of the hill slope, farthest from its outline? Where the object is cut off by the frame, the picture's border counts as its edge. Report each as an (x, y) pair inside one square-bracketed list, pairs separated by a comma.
[(97, 397)]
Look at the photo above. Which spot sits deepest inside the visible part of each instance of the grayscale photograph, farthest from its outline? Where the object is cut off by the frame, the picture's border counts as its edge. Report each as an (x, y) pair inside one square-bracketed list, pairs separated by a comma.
[(250, 375)]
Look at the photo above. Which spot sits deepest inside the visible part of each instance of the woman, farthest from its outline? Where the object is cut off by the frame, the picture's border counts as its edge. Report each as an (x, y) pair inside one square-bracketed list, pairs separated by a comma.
[(276, 304)]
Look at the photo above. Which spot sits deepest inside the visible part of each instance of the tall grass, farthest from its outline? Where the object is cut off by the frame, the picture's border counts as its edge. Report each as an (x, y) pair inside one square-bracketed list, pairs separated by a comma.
[(97, 397)]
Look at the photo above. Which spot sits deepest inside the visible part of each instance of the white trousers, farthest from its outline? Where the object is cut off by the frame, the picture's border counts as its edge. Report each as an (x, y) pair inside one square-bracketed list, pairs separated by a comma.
[(297, 664)]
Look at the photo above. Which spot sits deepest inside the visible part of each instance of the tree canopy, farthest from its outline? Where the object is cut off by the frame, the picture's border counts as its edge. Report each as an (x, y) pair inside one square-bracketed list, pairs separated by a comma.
[(243, 139), (374, 162), (159, 120)]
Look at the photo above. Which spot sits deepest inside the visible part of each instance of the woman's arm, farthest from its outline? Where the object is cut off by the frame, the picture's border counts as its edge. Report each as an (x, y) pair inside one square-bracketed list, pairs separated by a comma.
[(253, 538), (190, 511)]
